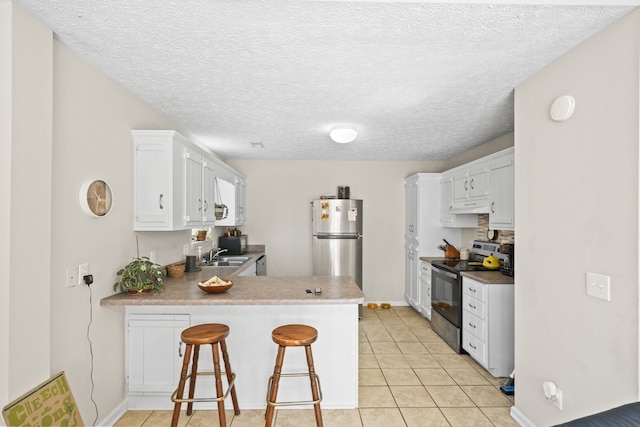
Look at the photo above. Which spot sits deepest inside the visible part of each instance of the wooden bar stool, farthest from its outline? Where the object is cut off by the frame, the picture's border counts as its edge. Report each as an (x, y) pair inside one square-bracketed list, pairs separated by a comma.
[(194, 337), (293, 336)]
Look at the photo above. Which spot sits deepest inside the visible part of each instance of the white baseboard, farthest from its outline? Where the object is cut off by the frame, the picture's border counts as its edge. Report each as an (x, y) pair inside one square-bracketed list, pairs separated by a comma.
[(113, 416), (521, 418)]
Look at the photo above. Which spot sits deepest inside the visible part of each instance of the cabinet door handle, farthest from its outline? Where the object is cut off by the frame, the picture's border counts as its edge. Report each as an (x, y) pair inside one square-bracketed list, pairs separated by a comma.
[(472, 306), (466, 188), (472, 184), (200, 208), (493, 204), (472, 290), (206, 205), (180, 348), (160, 201), (472, 346), (472, 325)]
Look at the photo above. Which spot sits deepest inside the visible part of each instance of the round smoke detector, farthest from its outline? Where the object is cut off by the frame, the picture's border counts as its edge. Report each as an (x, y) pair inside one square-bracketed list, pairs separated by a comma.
[(562, 108)]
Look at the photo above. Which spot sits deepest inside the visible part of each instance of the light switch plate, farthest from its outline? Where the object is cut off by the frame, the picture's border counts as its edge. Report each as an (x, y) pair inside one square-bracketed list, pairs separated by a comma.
[(598, 286), (71, 277)]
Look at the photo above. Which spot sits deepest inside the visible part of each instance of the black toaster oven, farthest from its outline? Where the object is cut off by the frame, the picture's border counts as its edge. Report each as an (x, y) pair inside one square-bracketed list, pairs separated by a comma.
[(234, 245)]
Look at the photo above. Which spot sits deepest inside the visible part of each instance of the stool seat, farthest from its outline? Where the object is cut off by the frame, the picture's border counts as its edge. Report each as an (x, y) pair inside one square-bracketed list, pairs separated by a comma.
[(208, 333), (294, 335)]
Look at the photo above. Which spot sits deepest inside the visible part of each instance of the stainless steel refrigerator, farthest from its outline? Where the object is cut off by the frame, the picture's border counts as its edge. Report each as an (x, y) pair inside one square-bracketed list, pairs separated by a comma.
[(337, 238)]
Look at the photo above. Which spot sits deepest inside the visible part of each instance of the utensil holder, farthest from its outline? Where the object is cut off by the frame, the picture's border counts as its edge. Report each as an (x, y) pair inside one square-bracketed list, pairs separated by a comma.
[(451, 252)]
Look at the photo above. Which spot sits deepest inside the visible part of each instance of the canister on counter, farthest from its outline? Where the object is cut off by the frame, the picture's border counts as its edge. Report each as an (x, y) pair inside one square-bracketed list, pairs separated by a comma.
[(344, 192)]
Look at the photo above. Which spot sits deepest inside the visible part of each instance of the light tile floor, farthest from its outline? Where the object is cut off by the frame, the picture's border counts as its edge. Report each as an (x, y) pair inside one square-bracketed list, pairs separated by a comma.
[(408, 377)]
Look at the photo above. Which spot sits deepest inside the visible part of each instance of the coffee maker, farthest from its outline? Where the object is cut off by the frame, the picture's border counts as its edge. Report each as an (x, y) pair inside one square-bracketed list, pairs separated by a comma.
[(508, 263)]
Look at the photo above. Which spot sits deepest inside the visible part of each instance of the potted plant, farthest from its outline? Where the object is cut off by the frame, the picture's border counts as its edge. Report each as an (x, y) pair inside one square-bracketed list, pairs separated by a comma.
[(201, 234), (141, 275), (221, 211)]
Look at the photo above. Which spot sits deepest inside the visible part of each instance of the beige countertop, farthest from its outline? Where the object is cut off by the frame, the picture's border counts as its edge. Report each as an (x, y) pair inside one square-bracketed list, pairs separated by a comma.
[(247, 290), (489, 277), (431, 258)]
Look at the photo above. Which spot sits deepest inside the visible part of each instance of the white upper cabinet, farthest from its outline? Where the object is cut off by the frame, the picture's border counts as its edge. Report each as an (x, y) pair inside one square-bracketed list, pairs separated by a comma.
[(484, 186), (208, 192), (502, 210), (241, 201), (158, 189), (447, 216), (193, 201), (231, 193), (200, 173), (174, 182), (471, 188)]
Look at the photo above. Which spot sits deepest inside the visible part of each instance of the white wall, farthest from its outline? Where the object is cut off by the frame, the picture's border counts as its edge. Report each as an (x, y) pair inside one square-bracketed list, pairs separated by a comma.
[(26, 191), (5, 194), (578, 182)]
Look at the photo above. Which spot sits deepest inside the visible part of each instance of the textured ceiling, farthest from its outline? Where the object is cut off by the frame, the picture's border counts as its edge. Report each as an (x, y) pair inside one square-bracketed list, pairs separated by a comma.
[(419, 81)]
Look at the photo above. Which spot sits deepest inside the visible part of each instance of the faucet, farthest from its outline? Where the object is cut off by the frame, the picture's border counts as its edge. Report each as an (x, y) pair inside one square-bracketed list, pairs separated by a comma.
[(214, 256)]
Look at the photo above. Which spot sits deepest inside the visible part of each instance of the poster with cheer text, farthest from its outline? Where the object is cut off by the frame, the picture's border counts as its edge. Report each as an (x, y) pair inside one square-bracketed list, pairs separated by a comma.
[(49, 404)]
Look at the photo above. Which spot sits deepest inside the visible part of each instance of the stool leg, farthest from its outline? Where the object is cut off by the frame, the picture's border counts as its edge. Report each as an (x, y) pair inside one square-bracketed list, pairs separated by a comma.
[(183, 379), (227, 368), (314, 385), (273, 391), (194, 375), (218, 376)]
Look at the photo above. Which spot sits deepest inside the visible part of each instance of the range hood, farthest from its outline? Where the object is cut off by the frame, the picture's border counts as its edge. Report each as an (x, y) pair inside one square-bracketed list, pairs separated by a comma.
[(473, 208)]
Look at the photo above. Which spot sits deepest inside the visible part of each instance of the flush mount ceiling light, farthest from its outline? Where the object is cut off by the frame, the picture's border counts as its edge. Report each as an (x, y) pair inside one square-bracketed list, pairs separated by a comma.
[(257, 145), (343, 135)]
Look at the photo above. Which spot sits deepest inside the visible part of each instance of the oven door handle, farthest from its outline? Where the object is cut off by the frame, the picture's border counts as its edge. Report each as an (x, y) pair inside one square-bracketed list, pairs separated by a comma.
[(437, 270)]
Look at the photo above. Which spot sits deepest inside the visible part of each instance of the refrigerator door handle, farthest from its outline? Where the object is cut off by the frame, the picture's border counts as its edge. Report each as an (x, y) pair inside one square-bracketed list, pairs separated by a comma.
[(339, 236)]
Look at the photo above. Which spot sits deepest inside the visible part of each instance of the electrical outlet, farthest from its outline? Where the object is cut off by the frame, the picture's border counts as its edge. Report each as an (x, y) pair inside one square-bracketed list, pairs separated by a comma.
[(71, 277), (558, 400), (552, 393), (83, 270)]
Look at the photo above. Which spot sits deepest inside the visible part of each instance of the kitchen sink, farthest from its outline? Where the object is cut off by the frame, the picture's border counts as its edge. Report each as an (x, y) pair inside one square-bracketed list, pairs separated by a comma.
[(228, 261), (235, 258), (219, 264)]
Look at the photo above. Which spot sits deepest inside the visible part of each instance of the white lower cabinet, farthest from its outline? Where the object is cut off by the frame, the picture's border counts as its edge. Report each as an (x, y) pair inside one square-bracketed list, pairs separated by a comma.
[(488, 325), (412, 283), (153, 352), (425, 289)]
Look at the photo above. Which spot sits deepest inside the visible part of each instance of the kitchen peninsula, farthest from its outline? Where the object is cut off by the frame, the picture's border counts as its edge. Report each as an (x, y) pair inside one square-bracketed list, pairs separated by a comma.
[(252, 308)]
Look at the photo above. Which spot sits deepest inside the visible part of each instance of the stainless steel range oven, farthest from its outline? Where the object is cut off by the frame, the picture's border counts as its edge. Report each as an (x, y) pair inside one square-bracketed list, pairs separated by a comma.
[(446, 302), (446, 291)]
